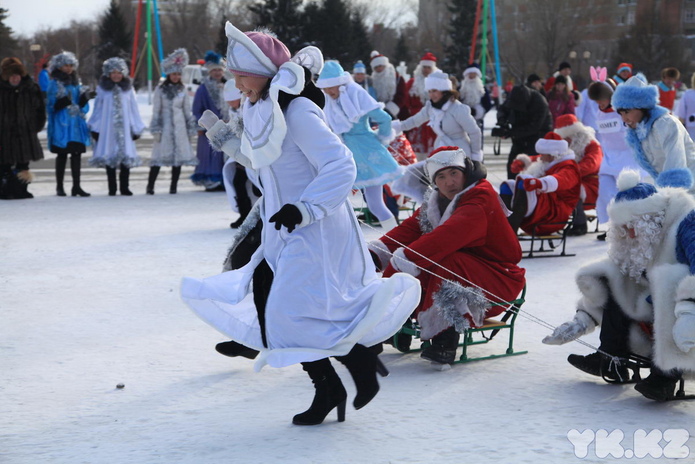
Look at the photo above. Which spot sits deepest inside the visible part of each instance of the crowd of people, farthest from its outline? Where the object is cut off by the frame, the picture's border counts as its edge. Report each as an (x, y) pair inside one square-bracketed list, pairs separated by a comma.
[(288, 137)]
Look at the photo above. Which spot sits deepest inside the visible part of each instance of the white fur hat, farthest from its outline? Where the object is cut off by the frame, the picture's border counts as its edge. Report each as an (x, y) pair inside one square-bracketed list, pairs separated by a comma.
[(114, 64), (377, 59), (444, 157), (175, 62), (552, 144), (62, 59), (438, 81)]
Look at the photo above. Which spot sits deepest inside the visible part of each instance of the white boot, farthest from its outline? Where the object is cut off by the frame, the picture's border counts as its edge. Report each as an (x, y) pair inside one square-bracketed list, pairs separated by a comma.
[(388, 224)]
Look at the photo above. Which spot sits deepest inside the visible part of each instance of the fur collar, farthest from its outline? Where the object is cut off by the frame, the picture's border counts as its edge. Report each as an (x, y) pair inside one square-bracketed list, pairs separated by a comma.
[(171, 90), (430, 214), (641, 132), (65, 79), (107, 84)]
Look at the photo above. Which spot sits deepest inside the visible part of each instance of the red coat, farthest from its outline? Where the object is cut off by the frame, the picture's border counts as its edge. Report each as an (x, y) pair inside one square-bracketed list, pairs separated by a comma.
[(554, 208), (421, 138), (473, 240), (588, 171), (667, 98)]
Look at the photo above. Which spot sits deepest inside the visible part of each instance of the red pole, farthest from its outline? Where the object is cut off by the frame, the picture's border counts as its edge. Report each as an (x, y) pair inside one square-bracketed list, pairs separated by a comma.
[(135, 40), (471, 58)]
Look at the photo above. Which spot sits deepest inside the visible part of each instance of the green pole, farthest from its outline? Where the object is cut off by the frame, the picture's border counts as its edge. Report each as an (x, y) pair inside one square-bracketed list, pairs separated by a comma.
[(149, 50), (483, 43)]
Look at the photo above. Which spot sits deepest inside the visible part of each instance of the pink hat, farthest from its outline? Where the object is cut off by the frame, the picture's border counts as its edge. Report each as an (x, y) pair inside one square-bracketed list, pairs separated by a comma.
[(256, 53), (271, 47)]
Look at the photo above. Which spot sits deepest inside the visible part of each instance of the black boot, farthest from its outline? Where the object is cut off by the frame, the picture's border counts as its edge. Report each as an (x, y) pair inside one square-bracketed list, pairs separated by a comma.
[(61, 163), (175, 173), (519, 206), (24, 178), (234, 349), (75, 169), (124, 179), (154, 172), (601, 366), (111, 178), (363, 365), (659, 386), (5, 173), (330, 393), (443, 346)]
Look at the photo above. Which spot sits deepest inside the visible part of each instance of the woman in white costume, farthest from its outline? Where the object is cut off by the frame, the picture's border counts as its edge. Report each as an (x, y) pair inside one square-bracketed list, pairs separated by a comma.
[(325, 298)]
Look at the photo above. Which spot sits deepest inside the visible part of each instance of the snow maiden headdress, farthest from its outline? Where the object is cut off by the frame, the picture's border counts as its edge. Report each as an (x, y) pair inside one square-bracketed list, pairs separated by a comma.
[(260, 54), (353, 103), (175, 62), (114, 64), (62, 59)]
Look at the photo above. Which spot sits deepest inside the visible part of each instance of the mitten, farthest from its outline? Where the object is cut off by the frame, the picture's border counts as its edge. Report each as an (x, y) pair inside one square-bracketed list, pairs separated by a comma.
[(61, 103), (401, 263), (517, 166), (288, 216), (84, 99), (208, 119), (582, 324), (95, 135), (135, 136), (532, 184)]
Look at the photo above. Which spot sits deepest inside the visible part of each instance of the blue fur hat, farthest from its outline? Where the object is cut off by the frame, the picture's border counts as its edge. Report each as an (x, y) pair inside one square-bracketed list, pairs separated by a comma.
[(634, 199), (332, 75), (635, 93)]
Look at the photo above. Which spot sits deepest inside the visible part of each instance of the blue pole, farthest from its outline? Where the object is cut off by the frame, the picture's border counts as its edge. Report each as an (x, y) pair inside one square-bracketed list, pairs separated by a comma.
[(495, 42), (159, 35)]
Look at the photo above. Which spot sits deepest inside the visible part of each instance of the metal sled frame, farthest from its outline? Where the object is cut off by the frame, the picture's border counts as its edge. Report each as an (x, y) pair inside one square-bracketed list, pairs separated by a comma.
[(553, 241), (635, 363), (491, 326)]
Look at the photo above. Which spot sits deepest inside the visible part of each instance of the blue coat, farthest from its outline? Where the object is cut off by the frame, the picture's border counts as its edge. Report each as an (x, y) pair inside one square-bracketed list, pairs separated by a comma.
[(67, 124)]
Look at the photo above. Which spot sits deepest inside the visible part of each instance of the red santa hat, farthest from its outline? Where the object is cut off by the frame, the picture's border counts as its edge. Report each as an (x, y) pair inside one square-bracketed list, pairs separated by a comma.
[(377, 59), (428, 59), (444, 157), (568, 125), (624, 67), (552, 144)]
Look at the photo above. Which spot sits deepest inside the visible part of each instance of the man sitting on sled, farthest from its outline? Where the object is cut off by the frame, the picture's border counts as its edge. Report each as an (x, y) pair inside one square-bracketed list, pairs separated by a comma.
[(461, 248), (643, 294)]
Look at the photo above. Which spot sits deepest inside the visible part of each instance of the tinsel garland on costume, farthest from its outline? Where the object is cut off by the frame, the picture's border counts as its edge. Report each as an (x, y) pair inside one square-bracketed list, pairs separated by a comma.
[(453, 301), (119, 130), (426, 225), (215, 90), (246, 227), (170, 91)]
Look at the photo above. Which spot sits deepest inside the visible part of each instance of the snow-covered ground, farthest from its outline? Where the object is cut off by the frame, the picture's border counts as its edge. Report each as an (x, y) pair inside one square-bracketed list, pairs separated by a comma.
[(90, 300)]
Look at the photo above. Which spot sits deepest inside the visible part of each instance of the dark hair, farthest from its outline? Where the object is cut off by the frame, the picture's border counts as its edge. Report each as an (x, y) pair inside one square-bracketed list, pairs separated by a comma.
[(310, 91), (565, 95), (532, 78), (564, 65), (167, 81), (645, 112)]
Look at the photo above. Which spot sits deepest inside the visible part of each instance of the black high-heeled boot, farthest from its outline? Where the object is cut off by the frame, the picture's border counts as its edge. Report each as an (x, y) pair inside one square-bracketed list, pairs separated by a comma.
[(175, 173), (76, 170), (111, 179), (124, 180), (330, 393), (61, 163), (363, 365), (154, 172)]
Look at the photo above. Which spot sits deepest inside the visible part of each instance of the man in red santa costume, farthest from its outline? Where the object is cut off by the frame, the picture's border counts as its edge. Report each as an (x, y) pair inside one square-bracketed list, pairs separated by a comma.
[(421, 138), (460, 247), (588, 154), (546, 191)]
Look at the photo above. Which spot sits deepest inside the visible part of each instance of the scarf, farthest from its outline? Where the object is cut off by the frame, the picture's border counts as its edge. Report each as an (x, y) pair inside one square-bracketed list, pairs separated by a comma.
[(635, 137), (436, 116)]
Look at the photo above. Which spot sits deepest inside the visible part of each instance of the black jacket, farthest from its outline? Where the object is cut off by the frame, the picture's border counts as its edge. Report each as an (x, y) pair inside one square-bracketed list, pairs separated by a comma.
[(527, 112), (22, 116)]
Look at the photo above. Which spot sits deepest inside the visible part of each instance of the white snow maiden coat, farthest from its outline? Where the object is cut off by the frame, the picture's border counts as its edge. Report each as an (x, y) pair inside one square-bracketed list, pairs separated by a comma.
[(453, 125), (325, 296), (173, 120), (116, 119)]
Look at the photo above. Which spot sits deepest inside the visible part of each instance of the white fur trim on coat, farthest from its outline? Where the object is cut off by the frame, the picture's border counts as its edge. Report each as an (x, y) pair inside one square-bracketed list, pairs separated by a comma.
[(401, 263)]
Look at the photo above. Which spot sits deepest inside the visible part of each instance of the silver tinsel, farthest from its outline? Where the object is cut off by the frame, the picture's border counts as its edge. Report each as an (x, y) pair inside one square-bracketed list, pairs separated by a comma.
[(246, 227), (119, 129), (453, 300), (425, 224), (215, 89)]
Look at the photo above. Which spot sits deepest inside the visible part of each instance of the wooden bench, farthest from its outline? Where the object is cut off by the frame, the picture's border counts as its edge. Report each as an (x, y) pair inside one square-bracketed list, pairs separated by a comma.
[(472, 336)]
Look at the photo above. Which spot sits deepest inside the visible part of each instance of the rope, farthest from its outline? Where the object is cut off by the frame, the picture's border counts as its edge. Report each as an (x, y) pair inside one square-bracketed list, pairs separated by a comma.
[(614, 360)]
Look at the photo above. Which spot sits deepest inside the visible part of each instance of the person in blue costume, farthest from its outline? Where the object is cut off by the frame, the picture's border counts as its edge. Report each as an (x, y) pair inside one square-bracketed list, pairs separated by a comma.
[(349, 111), (68, 103), (209, 96)]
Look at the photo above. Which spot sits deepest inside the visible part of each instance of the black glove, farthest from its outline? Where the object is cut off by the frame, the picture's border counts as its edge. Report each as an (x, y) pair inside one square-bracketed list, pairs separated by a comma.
[(288, 216), (473, 111), (84, 99), (95, 136), (135, 136), (61, 103)]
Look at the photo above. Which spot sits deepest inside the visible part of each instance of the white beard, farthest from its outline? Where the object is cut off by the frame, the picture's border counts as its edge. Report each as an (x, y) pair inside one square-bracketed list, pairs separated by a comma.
[(472, 91), (418, 88), (634, 255), (385, 84), (579, 142), (537, 168)]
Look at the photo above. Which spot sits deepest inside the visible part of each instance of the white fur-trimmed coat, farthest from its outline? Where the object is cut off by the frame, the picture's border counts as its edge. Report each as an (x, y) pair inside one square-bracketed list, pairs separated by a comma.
[(173, 119)]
